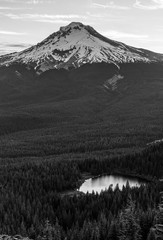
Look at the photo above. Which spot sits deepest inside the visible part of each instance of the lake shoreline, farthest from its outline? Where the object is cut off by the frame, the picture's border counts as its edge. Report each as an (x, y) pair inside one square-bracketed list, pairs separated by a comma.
[(86, 175)]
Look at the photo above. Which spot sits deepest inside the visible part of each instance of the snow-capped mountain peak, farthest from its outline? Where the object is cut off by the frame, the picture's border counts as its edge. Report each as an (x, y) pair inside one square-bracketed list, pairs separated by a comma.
[(74, 45), (72, 25)]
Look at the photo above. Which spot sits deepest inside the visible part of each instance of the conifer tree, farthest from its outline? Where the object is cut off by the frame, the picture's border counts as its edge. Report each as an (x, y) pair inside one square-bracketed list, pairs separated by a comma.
[(113, 232), (129, 229), (51, 232), (158, 230), (151, 235)]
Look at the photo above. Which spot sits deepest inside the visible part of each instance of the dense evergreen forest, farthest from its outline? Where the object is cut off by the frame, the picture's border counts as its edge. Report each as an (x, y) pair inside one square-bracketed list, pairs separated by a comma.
[(32, 203)]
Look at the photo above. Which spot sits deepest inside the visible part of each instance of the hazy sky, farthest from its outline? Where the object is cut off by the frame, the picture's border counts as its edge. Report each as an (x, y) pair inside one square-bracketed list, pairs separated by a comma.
[(135, 22)]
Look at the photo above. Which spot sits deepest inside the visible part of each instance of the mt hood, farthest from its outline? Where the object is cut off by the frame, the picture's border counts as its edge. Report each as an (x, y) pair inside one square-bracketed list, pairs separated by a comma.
[(75, 45)]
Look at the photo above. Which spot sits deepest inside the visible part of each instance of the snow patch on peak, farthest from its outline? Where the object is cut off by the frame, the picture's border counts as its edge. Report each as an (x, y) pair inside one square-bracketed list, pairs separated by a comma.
[(73, 25)]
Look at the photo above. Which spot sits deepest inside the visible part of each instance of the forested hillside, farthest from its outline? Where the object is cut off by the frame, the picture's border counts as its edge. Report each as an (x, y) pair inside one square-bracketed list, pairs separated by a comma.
[(32, 203)]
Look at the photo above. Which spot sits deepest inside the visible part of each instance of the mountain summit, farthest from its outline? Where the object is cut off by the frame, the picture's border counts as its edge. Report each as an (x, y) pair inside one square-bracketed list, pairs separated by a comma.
[(74, 45)]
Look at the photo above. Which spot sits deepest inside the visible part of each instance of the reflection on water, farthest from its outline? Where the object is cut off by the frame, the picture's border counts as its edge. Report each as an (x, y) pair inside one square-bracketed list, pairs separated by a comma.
[(103, 182)]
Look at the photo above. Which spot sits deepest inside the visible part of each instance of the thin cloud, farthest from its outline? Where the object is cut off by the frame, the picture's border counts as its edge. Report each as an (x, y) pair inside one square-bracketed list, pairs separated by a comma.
[(39, 1), (53, 21), (107, 17), (12, 33), (153, 5), (45, 17), (12, 8), (6, 47), (34, 2), (110, 5), (20, 45), (123, 35), (5, 8)]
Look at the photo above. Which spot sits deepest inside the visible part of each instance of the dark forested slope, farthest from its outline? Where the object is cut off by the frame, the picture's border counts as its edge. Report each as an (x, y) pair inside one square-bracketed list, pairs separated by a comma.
[(78, 111), (30, 194)]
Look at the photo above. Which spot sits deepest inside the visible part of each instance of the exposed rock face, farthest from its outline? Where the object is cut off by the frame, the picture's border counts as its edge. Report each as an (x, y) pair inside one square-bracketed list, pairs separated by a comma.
[(16, 237)]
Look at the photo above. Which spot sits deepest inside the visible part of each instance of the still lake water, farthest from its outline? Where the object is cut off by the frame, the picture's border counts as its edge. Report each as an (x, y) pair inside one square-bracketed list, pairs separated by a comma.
[(104, 182)]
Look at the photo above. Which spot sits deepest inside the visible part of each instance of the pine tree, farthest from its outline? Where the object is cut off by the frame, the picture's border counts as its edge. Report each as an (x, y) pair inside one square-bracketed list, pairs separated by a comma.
[(129, 229), (159, 221), (113, 232), (23, 229), (50, 232), (151, 235)]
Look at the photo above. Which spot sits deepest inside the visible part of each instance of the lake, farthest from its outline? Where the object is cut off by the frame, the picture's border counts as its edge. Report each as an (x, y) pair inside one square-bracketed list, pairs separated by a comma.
[(103, 182)]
